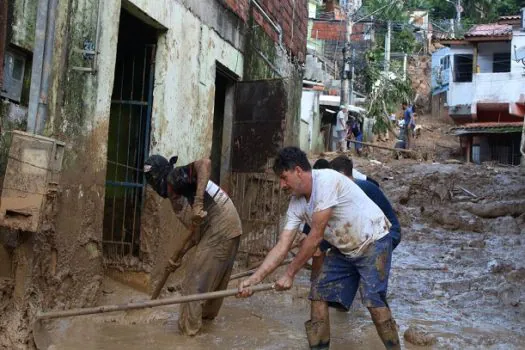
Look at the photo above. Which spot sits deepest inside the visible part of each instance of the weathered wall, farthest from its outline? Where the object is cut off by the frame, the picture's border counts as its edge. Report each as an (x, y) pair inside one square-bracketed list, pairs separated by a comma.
[(22, 26), (182, 120), (311, 137), (290, 15), (61, 266), (65, 259)]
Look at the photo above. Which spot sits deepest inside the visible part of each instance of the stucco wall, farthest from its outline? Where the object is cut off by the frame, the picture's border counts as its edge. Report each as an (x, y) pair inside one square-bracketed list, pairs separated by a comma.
[(182, 122), (486, 53)]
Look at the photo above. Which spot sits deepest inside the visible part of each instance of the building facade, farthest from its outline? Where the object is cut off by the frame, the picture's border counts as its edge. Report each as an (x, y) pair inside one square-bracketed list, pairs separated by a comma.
[(482, 85)]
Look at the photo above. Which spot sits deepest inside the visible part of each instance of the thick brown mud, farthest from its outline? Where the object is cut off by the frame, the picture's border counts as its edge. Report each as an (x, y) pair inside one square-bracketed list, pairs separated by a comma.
[(457, 278)]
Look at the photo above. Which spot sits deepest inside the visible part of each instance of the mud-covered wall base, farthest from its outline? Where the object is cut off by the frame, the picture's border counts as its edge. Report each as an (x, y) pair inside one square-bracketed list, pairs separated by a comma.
[(162, 235)]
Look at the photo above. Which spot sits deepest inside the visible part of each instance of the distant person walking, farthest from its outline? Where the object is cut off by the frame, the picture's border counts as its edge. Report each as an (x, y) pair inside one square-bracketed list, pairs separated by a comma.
[(340, 128)]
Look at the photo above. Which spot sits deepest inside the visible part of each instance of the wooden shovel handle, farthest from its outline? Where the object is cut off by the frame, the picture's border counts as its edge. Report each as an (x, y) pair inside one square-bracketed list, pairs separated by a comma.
[(150, 303)]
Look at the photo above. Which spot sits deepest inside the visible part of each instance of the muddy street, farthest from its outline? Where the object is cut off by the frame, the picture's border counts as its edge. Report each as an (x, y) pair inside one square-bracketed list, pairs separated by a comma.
[(152, 149), (456, 282)]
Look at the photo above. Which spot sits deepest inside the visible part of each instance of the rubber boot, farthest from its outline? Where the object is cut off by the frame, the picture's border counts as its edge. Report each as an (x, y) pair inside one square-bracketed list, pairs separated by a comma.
[(318, 334), (387, 331)]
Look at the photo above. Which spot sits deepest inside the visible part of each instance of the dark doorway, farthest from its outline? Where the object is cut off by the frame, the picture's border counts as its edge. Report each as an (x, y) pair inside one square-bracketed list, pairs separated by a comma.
[(222, 123), (129, 135)]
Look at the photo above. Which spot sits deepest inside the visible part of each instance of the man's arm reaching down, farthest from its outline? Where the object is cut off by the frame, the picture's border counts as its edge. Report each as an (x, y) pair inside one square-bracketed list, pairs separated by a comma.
[(203, 169), (308, 248), (274, 258)]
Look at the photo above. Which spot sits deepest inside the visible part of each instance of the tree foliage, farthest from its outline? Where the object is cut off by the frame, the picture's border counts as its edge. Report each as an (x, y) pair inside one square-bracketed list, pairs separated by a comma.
[(386, 92)]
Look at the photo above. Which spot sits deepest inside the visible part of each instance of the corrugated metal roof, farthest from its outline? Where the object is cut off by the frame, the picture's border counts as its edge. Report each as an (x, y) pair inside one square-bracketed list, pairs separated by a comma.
[(487, 30)]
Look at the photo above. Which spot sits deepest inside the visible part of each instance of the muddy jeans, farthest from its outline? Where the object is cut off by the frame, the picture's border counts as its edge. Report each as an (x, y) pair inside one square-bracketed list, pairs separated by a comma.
[(209, 271), (340, 276)]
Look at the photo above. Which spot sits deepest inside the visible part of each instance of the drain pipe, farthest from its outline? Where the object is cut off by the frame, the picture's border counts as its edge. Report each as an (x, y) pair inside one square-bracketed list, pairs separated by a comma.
[(38, 60), (42, 110)]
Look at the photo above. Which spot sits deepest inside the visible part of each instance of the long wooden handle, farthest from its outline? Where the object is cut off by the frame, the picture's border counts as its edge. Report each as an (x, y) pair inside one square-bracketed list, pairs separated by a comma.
[(249, 272), (173, 264), (149, 303)]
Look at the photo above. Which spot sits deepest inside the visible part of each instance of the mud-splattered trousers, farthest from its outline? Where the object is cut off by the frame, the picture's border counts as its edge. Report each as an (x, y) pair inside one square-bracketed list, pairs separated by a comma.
[(211, 266), (341, 276)]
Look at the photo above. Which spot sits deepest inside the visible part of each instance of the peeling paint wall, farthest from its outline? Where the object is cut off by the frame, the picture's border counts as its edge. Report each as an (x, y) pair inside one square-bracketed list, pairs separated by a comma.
[(185, 80), (183, 107)]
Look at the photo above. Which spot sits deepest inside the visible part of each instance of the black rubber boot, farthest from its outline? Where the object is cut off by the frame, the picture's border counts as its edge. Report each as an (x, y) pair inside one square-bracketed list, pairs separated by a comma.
[(318, 334)]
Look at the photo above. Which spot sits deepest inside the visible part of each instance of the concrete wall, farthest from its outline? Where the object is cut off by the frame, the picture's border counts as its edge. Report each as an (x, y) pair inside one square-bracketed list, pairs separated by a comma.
[(497, 87), (193, 36), (310, 134), (22, 29)]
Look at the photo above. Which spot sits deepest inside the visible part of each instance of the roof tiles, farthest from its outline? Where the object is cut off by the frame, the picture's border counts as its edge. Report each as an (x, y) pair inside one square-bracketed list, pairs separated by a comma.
[(490, 30)]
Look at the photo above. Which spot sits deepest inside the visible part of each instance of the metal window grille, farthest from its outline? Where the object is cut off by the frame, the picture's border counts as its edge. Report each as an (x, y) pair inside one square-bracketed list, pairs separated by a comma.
[(128, 144), (14, 69)]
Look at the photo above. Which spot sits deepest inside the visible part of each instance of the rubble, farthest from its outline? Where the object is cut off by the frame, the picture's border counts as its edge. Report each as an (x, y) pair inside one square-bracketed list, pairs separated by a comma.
[(417, 336)]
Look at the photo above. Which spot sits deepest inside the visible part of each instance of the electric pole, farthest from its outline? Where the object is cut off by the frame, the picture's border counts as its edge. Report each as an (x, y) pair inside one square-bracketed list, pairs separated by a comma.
[(387, 45), (345, 83), (458, 12), (352, 102)]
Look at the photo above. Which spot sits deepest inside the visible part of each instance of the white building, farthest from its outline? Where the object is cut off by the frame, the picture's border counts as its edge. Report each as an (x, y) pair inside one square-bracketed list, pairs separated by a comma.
[(482, 85)]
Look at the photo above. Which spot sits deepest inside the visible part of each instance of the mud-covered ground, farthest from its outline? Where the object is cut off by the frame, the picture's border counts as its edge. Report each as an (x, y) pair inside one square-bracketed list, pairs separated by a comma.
[(457, 277)]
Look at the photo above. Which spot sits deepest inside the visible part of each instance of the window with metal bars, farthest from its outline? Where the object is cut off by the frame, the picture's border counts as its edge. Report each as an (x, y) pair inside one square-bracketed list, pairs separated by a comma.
[(128, 137)]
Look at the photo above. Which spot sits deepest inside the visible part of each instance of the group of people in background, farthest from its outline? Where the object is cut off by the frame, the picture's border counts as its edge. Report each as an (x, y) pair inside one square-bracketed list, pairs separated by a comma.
[(348, 131)]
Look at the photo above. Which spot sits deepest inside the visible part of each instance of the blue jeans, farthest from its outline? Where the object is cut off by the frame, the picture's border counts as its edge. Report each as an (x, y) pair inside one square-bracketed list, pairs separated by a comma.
[(341, 276)]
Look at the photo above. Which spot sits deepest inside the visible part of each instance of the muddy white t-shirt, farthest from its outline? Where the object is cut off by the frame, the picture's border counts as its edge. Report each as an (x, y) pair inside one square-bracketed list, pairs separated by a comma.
[(356, 220)]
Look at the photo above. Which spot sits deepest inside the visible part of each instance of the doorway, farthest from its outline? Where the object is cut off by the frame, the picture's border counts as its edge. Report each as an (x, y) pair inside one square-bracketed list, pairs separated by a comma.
[(128, 136), (222, 125)]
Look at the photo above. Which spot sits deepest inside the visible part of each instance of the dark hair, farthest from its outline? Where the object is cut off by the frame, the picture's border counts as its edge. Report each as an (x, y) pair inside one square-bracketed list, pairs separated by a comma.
[(322, 164), (290, 157), (342, 164)]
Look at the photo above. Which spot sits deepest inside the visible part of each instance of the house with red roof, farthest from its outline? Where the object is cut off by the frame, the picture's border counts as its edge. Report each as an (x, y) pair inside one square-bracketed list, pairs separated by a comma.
[(479, 80)]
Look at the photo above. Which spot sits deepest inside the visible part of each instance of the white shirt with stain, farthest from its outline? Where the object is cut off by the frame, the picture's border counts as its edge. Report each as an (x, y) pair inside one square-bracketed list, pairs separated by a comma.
[(356, 220)]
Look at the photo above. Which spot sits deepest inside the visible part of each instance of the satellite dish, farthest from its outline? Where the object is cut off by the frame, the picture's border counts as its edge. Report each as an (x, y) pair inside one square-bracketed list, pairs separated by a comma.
[(519, 53)]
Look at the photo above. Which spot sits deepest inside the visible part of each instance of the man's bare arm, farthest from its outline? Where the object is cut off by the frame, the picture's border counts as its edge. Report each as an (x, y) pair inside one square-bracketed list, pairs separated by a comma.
[(203, 169), (275, 257), (310, 244)]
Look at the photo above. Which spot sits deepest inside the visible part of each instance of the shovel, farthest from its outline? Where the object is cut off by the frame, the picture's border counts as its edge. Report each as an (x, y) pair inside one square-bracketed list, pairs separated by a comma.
[(43, 340)]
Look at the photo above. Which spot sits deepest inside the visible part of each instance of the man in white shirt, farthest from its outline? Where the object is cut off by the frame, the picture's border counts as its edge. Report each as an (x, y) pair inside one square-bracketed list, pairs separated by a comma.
[(341, 213), (341, 128)]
